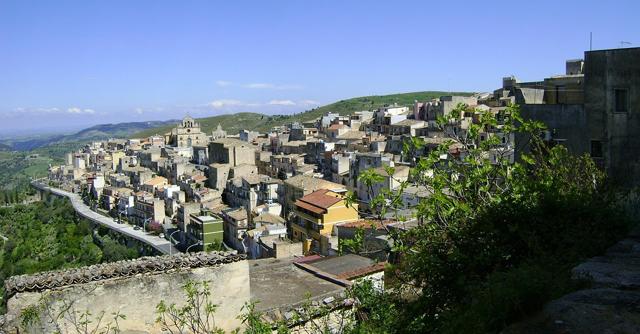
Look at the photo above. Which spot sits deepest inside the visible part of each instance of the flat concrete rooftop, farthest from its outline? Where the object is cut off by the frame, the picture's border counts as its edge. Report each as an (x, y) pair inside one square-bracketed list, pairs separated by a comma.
[(341, 264), (278, 283)]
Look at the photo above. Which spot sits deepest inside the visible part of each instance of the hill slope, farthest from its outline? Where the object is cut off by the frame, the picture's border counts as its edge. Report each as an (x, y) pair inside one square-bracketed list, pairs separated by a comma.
[(97, 132), (233, 123)]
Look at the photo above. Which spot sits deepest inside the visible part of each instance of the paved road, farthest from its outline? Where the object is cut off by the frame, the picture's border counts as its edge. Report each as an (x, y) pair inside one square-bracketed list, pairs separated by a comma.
[(160, 244)]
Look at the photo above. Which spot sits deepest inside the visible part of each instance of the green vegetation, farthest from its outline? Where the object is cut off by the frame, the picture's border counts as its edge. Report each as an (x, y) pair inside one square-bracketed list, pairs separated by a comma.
[(496, 240), (233, 123), (48, 236), (24, 158), (18, 167)]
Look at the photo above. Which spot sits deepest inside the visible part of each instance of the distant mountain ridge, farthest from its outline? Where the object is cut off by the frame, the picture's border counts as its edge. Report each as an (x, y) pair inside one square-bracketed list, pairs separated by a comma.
[(233, 123), (96, 132)]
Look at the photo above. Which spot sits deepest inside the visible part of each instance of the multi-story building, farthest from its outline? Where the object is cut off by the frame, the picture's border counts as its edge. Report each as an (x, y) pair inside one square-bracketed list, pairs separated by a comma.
[(300, 185), (251, 191), (316, 214), (154, 184), (385, 117), (185, 210), (203, 231), (300, 132), (248, 136), (364, 161), (340, 165), (318, 151), (431, 110), (147, 209), (286, 165), (111, 198), (231, 151), (591, 109), (390, 182), (236, 223)]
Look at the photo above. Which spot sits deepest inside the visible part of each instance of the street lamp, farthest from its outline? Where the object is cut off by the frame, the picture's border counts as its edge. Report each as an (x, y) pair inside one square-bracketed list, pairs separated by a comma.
[(120, 215), (196, 244), (145, 223), (171, 240)]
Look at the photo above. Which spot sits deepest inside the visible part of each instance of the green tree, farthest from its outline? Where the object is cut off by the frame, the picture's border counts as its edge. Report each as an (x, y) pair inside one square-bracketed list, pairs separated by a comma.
[(115, 251), (492, 216)]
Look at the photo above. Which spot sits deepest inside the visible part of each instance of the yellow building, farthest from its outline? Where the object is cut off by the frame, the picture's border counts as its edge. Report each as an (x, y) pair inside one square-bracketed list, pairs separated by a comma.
[(316, 215)]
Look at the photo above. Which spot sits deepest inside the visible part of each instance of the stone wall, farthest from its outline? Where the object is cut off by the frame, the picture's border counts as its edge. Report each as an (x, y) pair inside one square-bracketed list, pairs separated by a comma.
[(286, 249), (133, 288), (608, 305)]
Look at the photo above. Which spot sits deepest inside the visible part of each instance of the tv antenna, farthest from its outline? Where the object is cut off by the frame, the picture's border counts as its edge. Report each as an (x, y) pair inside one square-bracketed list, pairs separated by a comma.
[(623, 43)]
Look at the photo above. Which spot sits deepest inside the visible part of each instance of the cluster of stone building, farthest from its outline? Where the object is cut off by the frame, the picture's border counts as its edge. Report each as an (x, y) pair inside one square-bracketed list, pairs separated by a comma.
[(282, 193)]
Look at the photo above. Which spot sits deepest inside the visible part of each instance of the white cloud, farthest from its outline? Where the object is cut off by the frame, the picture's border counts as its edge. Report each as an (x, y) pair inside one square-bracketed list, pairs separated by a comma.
[(43, 110), (223, 83), (76, 110), (138, 111), (259, 85), (282, 103), (217, 104), (53, 110)]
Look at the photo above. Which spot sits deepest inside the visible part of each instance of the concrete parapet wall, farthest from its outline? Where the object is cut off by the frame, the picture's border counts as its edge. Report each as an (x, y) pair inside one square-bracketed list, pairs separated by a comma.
[(136, 296)]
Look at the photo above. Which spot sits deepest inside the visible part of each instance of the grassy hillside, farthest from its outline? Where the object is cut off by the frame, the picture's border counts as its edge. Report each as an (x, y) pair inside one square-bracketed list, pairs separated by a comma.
[(119, 130), (233, 123), (17, 167)]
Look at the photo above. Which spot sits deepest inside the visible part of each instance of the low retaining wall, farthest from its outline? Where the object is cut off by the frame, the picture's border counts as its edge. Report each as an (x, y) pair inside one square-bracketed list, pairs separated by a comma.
[(132, 288)]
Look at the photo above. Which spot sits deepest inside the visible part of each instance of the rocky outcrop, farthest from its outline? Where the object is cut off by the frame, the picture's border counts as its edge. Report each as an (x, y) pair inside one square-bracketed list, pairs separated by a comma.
[(610, 305)]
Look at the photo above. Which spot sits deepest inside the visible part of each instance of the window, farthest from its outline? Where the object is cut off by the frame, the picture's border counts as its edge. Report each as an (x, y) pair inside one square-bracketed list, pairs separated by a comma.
[(596, 149), (621, 97)]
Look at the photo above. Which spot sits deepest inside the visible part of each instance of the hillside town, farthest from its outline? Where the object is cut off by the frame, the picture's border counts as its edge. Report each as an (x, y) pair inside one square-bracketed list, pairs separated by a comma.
[(299, 206), (292, 167), (283, 193)]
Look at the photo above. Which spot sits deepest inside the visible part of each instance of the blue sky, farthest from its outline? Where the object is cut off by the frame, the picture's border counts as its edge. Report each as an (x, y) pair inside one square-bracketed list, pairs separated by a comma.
[(69, 64)]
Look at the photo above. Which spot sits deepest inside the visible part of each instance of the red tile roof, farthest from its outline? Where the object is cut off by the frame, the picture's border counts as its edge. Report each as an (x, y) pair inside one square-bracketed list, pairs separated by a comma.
[(364, 223), (360, 272), (321, 199), (198, 178), (310, 207)]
